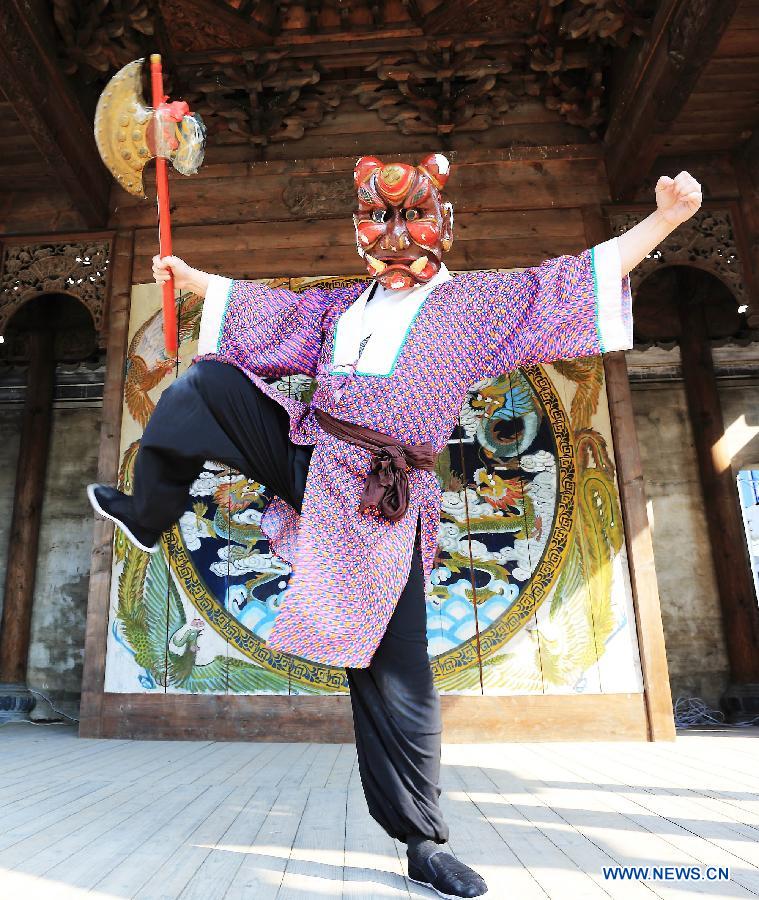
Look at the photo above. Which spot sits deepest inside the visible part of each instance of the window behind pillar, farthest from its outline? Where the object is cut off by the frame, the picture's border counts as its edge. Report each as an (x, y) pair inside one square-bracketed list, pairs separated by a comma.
[(748, 491)]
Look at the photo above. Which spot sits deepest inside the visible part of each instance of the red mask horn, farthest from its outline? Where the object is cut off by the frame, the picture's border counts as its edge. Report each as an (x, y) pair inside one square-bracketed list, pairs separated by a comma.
[(364, 167), (437, 168)]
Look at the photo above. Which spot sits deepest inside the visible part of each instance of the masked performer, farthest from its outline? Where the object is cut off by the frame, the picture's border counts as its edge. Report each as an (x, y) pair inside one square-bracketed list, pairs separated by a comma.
[(356, 502)]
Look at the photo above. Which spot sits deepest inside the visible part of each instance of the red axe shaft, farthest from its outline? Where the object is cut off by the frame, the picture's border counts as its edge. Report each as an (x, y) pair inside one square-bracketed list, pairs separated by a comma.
[(164, 215)]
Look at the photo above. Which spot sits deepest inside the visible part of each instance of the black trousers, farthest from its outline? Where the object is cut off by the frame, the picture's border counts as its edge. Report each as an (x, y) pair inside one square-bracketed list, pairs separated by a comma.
[(215, 412)]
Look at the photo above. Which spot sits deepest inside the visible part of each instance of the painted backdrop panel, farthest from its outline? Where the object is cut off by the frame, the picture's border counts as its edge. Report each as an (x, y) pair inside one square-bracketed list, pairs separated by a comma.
[(530, 593)]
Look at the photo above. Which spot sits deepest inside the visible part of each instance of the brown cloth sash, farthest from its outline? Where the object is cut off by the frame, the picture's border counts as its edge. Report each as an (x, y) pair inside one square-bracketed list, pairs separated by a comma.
[(386, 487)]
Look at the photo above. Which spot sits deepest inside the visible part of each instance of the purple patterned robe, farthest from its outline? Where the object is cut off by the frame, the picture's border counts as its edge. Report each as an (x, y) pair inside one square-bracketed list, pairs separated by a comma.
[(349, 568)]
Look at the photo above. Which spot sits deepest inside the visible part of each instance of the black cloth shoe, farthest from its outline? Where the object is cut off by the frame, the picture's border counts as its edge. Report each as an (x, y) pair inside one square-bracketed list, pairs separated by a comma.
[(113, 505), (448, 876)]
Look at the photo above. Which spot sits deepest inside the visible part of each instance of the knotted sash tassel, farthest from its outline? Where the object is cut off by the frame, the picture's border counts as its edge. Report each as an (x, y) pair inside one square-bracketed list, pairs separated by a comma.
[(386, 488)]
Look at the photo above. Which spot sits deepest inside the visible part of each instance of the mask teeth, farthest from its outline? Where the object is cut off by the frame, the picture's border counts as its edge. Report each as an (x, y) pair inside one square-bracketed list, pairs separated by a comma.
[(418, 264), (377, 264)]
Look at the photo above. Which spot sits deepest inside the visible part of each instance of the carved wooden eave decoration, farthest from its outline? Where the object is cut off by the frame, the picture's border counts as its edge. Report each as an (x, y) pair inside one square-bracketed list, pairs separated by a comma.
[(706, 241), (100, 38), (97, 39), (261, 71), (259, 96), (570, 82), (78, 268), (440, 88)]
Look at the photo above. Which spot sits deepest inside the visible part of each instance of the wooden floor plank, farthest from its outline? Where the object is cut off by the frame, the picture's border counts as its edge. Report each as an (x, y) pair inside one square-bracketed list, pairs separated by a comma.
[(261, 872), (168, 870), (225, 854), (340, 773), (63, 832), (50, 812), (699, 757), (315, 865), (178, 867), (697, 839), (713, 791), (558, 858), (287, 766), (297, 771), (127, 769), (691, 848), (224, 821), (323, 759), (63, 752), (476, 838), (88, 865), (371, 863), (202, 820)]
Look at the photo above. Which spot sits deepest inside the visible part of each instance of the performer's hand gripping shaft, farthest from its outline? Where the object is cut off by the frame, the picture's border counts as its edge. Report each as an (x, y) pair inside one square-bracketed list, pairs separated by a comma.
[(185, 277)]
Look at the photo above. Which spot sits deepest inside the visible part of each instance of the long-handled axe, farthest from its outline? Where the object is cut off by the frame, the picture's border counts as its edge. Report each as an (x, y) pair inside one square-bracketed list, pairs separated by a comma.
[(129, 134)]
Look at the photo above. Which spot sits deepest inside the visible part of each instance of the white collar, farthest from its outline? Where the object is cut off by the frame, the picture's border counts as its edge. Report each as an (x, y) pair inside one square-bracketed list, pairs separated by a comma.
[(388, 337)]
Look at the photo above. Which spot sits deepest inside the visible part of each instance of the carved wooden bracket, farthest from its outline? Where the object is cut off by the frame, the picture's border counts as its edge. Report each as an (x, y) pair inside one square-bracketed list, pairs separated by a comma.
[(76, 267), (706, 241), (441, 88), (99, 38), (261, 96)]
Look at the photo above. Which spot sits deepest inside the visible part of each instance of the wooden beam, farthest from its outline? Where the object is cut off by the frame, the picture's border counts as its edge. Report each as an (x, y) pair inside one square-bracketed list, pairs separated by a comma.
[(250, 31), (98, 601), (240, 717), (732, 567), (45, 104), (656, 84), (640, 549)]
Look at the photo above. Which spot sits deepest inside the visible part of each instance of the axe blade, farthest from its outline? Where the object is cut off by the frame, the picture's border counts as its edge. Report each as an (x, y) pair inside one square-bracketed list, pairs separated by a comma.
[(129, 133), (122, 120)]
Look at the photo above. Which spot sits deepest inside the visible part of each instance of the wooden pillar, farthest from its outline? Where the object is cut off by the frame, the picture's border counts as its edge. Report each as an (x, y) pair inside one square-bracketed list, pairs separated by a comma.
[(27, 509), (746, 168), (96, 634), (726, 536), (640, 549)]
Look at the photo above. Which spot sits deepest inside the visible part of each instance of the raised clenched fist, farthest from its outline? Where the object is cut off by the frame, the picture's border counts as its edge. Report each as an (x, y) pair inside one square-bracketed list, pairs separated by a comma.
[(678, 198)]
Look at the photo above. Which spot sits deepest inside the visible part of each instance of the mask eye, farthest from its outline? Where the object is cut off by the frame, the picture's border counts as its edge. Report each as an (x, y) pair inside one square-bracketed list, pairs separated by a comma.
[(378, 215), (412, 215)]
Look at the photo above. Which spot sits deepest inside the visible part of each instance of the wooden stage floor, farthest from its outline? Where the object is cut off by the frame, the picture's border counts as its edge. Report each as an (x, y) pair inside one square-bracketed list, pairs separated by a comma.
[(161, 819)]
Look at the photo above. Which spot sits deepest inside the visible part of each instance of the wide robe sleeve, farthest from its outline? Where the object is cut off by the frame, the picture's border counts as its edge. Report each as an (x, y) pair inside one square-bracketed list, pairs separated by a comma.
[(270, 332), (566, 307)]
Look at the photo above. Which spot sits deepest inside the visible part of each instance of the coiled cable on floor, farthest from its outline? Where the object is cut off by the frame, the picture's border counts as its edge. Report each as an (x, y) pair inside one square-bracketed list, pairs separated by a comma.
[(692, 711), (34, 721)]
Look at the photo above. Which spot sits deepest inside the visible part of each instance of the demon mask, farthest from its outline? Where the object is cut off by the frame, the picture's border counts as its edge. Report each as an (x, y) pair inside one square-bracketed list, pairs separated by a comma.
[(403, 227)]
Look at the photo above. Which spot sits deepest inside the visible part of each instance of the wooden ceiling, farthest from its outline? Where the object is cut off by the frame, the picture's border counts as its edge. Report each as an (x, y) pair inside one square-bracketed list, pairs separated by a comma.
[(722, 110), (642, 78)]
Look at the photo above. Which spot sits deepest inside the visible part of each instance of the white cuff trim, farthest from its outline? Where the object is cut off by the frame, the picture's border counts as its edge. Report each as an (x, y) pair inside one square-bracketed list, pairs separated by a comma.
[(613, 299), (212, 317)]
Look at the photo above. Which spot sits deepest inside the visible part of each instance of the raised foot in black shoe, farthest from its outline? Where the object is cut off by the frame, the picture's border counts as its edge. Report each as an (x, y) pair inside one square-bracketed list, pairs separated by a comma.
[(110, 503), (448, 876)]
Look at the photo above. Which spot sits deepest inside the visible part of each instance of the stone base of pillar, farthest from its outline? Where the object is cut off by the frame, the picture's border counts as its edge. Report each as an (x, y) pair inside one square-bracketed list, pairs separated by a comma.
[(741, 703), (16, 702)]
